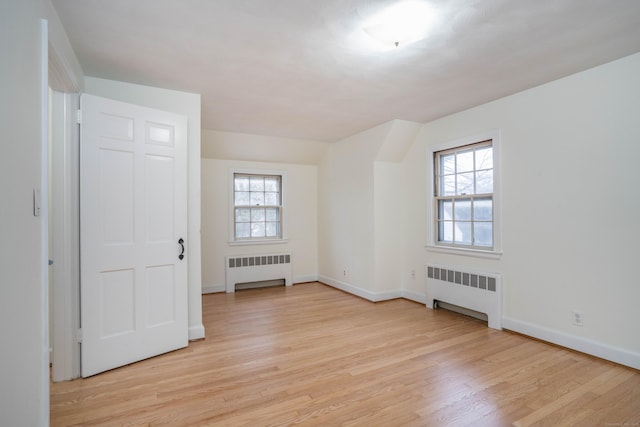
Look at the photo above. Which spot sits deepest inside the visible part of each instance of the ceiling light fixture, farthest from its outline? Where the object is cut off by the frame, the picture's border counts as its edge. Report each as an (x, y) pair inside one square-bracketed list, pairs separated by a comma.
[(403, 23)]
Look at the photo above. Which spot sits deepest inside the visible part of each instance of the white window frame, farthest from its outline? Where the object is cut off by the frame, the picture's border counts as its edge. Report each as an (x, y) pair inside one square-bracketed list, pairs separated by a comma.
[(432, 232), (283, 213)]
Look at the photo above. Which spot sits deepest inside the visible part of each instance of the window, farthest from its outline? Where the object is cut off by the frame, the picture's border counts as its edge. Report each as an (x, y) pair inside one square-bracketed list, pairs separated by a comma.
[(464, 205), (257, 207)]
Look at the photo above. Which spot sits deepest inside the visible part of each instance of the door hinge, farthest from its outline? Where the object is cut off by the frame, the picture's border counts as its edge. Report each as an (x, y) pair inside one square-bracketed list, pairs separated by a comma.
[(79, 335), (79, 117)]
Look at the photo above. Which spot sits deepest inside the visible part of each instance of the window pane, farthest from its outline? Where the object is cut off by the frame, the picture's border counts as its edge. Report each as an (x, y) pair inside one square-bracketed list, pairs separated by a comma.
[(273, 214), (257, 198), (243, 215), (257, 229), (484, 158), (241, 183), (271, 184), (463, 233), (242, 198), (271, 199), (242, 230), (483, 233), (463, 210), (445, 209), (484, 182), (465, 183), (448, 185), (447, 164), (445, 231), (464, 161), (257, 214), (272, 229), (257, 183), (483, 209)]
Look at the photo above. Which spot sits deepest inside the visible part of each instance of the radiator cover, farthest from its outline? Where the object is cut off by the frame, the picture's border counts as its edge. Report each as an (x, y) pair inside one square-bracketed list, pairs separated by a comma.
[(256, 268), (475, 290)]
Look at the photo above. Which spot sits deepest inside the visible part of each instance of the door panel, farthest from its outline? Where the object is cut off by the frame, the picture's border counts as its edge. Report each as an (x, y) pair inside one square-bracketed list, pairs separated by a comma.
[(159, 210), (117, 303), (160, 295), (117, 192), (133, 212)]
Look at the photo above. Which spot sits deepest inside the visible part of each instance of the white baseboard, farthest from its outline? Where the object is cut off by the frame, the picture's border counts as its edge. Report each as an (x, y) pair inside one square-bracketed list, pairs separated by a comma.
[(414, 296), (196, 332), (305, 278), (373, 296), (584, 345), (211, 289), (362, 293)]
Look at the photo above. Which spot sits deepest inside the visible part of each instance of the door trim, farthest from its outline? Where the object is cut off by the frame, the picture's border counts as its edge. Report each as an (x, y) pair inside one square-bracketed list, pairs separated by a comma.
[(64, 78)]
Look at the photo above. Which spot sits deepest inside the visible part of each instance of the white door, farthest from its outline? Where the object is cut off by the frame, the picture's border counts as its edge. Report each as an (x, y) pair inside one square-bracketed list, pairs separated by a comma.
[(133, 216)]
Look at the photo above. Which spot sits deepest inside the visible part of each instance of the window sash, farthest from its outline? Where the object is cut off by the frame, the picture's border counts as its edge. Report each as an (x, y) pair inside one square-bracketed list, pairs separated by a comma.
[(441, 171), (258, 226), (472, 227)]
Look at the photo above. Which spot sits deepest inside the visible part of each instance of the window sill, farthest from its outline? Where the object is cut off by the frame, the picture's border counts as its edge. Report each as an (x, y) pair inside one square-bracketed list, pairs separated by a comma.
[(464, 252), (258, 242)]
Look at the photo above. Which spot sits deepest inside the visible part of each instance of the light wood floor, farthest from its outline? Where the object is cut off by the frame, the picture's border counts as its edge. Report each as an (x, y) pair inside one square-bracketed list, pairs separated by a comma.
[(313, 355)]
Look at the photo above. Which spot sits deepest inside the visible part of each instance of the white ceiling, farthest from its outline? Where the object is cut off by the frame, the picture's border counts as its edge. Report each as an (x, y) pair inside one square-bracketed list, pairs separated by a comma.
[(305, 69)]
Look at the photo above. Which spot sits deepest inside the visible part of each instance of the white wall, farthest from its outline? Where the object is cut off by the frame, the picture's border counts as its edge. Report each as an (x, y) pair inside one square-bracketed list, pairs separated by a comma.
[(359, 208), (388, 209), (345, 216), (24, 371), (187, 104), (248, 147), (570, 207), (300, 210)]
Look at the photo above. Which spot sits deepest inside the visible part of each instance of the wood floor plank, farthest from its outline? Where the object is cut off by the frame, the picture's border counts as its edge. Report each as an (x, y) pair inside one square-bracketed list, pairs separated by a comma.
[(313, 355)]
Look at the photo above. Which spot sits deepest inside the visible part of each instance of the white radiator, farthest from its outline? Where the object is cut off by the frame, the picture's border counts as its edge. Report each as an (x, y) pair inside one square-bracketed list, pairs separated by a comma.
[(478, 291), (257, 268)]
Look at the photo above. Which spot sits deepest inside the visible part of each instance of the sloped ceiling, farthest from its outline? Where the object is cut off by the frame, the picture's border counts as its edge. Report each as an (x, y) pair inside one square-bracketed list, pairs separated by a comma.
[(305, 69)]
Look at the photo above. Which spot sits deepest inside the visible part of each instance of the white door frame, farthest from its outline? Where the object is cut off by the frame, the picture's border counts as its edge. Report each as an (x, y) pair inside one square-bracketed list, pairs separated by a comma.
[(65, 233), (65, 199)]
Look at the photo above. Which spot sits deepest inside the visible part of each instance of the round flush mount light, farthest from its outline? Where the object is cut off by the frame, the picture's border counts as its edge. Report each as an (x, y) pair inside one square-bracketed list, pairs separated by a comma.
[(400, 24)]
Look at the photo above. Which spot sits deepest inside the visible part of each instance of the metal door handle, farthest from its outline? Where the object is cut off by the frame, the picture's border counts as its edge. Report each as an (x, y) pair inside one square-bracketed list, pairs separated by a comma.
[(181, 243)]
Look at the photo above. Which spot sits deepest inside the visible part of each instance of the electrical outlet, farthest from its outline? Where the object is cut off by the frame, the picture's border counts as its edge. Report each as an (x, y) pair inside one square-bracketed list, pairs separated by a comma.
[(344, 272), (413, 274), (576, 318)]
